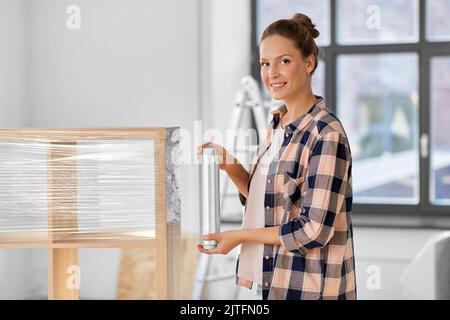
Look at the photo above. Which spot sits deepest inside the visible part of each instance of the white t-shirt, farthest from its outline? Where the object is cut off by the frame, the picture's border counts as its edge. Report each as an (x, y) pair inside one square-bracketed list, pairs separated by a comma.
[(251, 254)]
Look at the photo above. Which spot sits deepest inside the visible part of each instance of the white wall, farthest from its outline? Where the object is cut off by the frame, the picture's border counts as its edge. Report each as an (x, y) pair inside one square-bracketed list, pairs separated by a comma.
[(130, 63), (388, 252), (230, 53), (14, 62), (14, 59), (15, 273)]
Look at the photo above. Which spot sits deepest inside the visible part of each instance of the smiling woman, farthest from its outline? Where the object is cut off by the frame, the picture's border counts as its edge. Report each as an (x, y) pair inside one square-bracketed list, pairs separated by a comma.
[(297, 239), (296, 62)]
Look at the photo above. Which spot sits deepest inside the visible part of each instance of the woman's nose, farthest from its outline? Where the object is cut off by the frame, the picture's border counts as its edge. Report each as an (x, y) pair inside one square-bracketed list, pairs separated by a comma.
[(273, 72)]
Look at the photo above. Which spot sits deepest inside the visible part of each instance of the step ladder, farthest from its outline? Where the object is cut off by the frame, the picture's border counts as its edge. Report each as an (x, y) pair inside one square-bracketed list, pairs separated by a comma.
[(248, 97)]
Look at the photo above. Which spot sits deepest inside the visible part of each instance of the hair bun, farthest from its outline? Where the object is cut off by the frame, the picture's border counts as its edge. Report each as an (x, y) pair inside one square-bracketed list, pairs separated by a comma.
[(305, 21)]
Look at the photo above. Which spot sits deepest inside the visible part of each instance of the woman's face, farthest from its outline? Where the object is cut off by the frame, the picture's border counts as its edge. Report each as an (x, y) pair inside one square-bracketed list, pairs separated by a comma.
[(284, 71)]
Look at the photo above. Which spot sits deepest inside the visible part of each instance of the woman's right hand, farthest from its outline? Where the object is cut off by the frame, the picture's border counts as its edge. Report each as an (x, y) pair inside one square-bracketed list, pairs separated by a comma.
[(225, 159)]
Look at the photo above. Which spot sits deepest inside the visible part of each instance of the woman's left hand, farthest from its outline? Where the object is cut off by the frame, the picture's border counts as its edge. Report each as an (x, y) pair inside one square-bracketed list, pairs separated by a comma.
[(226, 241)]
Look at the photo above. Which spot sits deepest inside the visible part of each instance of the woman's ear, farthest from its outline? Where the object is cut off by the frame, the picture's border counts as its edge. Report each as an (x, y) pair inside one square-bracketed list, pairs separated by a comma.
[(310, 63)]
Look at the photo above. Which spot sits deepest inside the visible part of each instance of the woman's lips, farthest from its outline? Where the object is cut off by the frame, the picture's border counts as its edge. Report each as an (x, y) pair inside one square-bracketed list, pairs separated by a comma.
[(278, 85)]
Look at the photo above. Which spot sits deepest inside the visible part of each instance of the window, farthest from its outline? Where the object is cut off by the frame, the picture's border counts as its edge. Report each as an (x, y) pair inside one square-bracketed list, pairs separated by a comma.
[(438, 24), (385, 71), (317, 10), (440, 124), (377, 21), (378, 106)]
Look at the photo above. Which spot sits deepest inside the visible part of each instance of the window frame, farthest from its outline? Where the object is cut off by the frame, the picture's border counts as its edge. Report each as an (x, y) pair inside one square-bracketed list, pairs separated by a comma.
[(425, 51)]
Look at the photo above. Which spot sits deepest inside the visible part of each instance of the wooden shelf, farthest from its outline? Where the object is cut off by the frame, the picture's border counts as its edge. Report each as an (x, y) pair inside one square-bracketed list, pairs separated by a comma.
[(63, 239), (132, 239), (73, 135)]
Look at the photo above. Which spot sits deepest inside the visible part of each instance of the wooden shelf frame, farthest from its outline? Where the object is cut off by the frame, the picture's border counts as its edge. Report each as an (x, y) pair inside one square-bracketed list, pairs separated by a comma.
[(63, 244)]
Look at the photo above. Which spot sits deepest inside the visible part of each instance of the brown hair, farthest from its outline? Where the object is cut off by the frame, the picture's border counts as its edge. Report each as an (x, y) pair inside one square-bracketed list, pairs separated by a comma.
[(300, 30)]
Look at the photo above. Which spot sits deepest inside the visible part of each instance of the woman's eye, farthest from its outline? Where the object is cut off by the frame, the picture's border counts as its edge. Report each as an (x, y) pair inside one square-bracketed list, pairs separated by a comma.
[(285, 61), (264, 64)]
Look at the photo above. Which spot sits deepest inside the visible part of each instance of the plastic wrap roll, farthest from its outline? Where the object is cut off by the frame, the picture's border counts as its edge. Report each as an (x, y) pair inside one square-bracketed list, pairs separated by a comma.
[(210, 191)]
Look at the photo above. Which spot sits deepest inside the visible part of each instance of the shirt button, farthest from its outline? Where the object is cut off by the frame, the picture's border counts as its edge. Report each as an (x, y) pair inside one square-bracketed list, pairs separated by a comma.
[(267, 207), (267, 257), (269, 181), (266, 284)]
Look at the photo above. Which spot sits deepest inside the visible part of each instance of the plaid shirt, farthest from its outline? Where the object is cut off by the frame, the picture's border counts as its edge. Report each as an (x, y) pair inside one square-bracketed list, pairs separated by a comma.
[(309, 195)]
